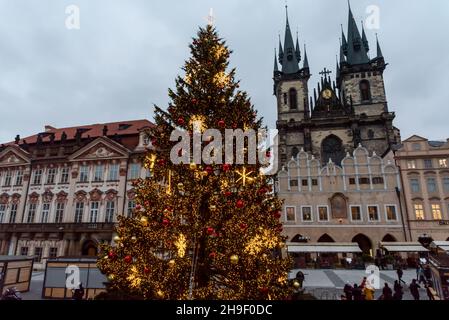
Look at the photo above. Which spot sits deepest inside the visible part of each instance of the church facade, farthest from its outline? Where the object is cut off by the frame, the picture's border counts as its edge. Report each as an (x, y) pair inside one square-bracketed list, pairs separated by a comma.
[(337, 175)]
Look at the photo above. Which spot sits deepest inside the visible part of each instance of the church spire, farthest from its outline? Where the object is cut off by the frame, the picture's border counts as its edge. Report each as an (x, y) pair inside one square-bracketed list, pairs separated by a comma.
[(364, 39), (276, 68), (379, 50), (357, 53), (290, 61), (344, 43), (298, 50), (306, 60), (281, 51)]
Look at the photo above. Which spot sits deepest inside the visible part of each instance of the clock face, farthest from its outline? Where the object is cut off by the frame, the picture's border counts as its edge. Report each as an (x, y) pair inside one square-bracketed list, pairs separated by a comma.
[(327, 94)]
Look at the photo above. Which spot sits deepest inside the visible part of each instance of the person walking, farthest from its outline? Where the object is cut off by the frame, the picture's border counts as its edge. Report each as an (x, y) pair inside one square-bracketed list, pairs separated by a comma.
[(398, 291), (400, 273), (368, 293), (348, 291), (428, 273), (357, 293), (414, 289), (419, 272), (387, 292), (78, 294)]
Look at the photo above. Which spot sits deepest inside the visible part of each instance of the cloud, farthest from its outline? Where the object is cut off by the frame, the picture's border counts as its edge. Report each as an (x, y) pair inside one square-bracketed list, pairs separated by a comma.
[(128, 53)]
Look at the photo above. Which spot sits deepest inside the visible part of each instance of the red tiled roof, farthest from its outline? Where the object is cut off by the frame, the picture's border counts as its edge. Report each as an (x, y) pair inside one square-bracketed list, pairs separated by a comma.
[(93, 130)]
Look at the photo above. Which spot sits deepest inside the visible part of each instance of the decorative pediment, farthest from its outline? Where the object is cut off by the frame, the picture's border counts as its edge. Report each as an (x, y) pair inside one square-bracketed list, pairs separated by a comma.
[(101, 148), (4, 197), (111, 194), (15, 198), (34, 197), (95, 195), (131, 194), (61, 196), (47, 196), (80, 195), (14, 156)]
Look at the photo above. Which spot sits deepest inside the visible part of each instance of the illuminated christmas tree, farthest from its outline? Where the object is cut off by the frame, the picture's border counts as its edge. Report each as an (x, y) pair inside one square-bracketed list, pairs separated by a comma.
[(201, 230)]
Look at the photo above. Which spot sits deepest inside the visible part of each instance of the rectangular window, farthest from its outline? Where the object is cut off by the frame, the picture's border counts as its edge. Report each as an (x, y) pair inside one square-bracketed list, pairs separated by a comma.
[(64, 175), (411, 164), (19, 178), (24, 251), (134, 171), (8, 178), (59, 215), (94, 208), (110, 211), (13, 213), (314, 182), (37, 178), (38, 254), (53, 253), (428, 164), (98, 175), (305, 183), (391, 213), (419, 211), (84, 174), (446, 184), (414, 185), (443, 163), (293, 183), (45, 212), (31, 213), (290, 214), (323, 214), (431, 185), (51, 175), (2, 212), (373, 213), (306, 213), (113, 172), (285, 98), (131, 207), (356, 213), (378, 180), (364, 181), (436, 212), (352, 181), (79, 211)]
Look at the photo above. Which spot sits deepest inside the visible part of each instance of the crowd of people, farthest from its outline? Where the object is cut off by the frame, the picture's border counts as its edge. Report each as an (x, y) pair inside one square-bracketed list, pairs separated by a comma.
[(365, 291)]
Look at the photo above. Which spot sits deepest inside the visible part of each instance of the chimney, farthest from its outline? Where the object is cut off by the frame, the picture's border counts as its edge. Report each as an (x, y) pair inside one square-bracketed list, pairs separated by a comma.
[(48, 128), (17, 140)]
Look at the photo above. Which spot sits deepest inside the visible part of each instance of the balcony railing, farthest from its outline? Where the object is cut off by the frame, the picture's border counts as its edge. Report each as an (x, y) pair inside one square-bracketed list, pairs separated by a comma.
[(56, 227)]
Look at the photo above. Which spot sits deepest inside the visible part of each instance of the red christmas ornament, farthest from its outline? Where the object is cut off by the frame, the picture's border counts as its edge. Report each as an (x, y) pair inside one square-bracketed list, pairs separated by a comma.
[(194, 101), (234, 126), (221, 124), (240, 204), (210, 231), (209, 169), (212, 255), (226, 167), (147, 203), (243, 226), (228, 194), (112, 255), (277, 214), (138, 207), (165, 222), (264, 290), (171, 109), (181, 121), (161, 162), (262, 190), (146, 270), (128, 259)]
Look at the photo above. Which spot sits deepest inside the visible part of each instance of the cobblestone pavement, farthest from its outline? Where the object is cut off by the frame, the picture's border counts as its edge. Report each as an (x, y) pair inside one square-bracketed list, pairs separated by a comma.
[(328, 284)]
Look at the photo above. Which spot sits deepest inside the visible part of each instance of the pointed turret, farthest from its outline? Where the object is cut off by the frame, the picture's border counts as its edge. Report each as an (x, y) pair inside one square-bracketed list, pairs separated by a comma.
[(344, 43), (289, 61), (281, 51), (306, 59), (276, 67), (337, 67), (379, 50), (357, 53), (364, 39), (298, 50)]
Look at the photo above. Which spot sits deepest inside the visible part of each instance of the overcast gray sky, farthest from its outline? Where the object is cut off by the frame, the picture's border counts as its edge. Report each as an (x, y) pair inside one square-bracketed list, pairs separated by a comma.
[(127, 53)]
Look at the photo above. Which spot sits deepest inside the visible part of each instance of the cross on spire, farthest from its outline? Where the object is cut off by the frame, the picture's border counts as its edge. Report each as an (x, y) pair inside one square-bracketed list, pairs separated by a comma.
[(211, 18), (325, 72)]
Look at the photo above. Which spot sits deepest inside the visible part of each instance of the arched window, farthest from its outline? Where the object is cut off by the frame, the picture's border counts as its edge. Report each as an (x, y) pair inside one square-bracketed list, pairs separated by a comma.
[(332, 148), (365, 90), (293, 97)]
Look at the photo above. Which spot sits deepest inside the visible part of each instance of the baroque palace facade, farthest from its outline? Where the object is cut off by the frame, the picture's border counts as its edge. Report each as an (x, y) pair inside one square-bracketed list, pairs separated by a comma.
[(341, 155), (61, 190)]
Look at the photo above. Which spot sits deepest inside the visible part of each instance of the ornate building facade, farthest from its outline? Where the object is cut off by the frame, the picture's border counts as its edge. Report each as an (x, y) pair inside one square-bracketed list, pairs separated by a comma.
[(341, 114), (61, 190), (424, 169), (338, 177)]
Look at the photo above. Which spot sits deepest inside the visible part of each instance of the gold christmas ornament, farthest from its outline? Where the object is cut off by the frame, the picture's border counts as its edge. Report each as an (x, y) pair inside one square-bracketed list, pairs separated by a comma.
[(171, 263), (234, 259), (192, 166), (144, 221), (296, 284), (181, 186), (213, 207), (134, 239), (117, 239), (160, 294), (111, 277)]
